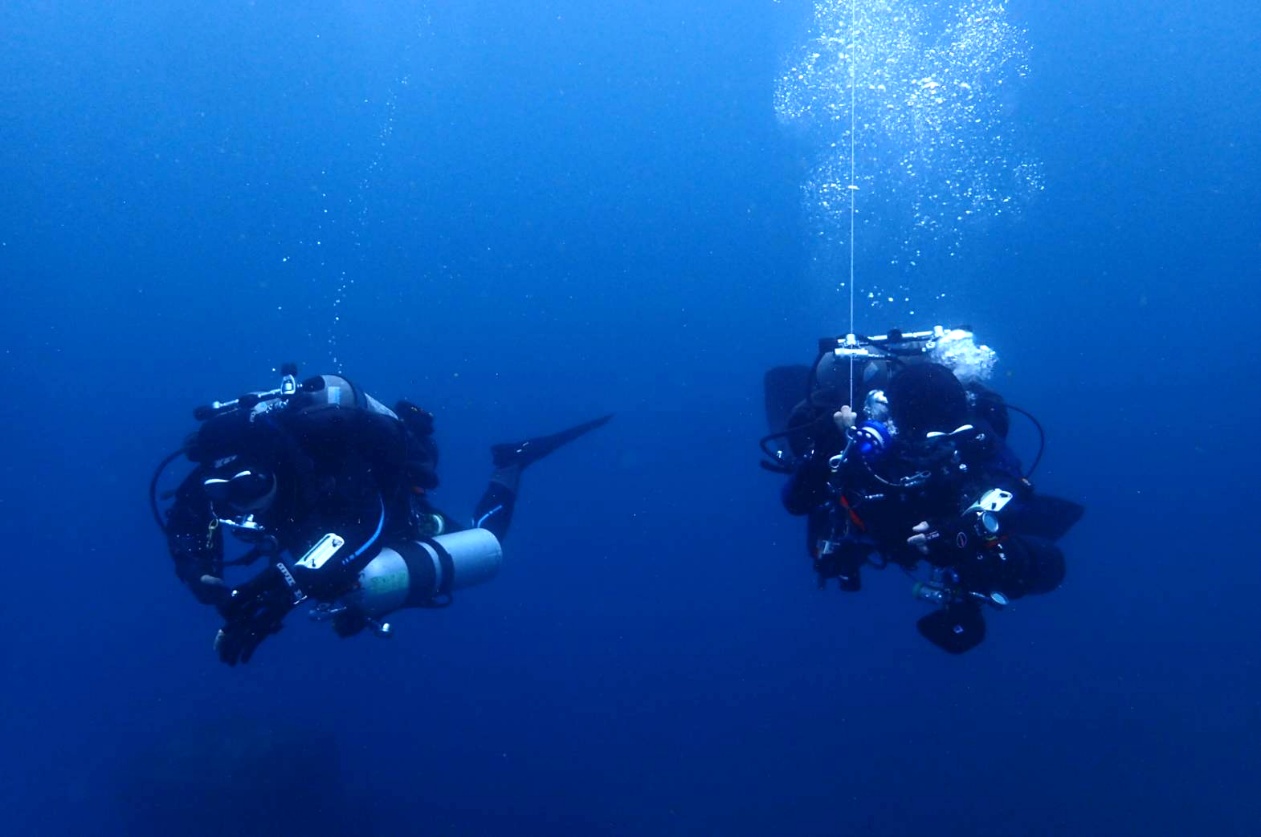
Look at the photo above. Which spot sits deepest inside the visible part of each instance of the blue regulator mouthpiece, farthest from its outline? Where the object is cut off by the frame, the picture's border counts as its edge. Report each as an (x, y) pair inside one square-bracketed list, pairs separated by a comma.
[(872, 439)]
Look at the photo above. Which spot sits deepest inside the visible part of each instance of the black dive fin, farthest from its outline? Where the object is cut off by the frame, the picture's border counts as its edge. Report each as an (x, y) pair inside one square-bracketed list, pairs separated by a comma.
[(531, 450), (1044, 516), (783, 388), (956, 628)]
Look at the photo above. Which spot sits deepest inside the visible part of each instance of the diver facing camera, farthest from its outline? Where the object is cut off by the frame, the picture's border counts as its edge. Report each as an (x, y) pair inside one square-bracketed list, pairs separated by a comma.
[(922, 477)]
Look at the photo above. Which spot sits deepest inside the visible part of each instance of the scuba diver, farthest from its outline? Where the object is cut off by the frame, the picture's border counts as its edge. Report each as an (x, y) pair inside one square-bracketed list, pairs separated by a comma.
[(922, 473), (331, 490)]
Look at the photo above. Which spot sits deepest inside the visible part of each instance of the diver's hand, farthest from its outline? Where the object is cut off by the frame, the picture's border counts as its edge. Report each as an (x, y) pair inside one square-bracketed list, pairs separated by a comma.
[(845, 419), (210, 590), (958, 544), (945, 543), (236, 641), (924, 535), (253, 612)]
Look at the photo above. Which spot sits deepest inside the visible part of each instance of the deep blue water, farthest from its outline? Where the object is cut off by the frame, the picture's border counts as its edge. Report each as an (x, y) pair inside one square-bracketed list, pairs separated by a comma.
[(524, 214)]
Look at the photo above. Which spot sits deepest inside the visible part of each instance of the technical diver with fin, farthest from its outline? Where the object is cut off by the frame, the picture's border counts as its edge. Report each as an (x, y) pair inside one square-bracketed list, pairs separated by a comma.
[(331, 490)]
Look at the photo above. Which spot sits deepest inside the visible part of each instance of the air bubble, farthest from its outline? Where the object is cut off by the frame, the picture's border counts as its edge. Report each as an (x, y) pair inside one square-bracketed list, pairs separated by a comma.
[(933, 152)]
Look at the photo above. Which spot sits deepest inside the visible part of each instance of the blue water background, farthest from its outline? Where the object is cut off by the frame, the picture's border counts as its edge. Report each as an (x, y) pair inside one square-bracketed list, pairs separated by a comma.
[(524, 214)]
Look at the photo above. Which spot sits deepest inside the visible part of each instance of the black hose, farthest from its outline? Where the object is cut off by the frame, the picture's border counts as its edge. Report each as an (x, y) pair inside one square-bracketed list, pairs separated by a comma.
[(777, 462), (774, 460), (1041, 437), (153, 487)]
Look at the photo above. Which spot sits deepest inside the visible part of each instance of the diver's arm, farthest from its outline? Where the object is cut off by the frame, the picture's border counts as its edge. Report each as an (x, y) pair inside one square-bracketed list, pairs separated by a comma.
[(195, 542), (807, 486), (385, 442), (421, 449), (360, 517), (986, 560)]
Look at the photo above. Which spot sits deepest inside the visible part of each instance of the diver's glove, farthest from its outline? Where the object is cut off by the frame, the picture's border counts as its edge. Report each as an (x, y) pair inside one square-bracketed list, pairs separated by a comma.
[(255, 611), (971, 553), (946, 542), (972, 535), (210, 590)]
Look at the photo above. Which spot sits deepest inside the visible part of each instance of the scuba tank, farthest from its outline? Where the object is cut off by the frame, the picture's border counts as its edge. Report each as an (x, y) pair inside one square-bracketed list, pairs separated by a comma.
[(424, 573)]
